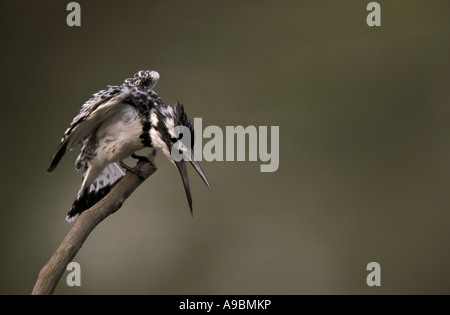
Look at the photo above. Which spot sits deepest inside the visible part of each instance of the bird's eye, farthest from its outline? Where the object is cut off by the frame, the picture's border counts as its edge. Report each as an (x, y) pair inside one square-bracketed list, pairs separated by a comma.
[(180, 136)]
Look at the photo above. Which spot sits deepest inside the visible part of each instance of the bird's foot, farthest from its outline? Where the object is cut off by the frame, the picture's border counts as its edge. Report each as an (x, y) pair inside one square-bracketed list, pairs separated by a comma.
[(143, 159), (140, 158), (132, 169)]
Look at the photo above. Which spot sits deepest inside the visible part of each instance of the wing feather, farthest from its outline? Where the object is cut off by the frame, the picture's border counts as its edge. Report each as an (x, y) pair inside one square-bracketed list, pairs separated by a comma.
[(93, 113)]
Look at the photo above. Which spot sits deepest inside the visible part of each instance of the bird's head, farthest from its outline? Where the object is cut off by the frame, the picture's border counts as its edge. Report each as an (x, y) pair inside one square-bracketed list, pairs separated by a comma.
[(145, 79), (173, 133)]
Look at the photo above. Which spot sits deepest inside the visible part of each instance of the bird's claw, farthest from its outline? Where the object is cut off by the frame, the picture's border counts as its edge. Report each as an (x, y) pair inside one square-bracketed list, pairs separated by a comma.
[(140, 158), (133, 170)]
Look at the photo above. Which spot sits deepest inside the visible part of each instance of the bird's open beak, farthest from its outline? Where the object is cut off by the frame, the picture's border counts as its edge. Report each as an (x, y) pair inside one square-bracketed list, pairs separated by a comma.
[(181, 165), (199, 170)]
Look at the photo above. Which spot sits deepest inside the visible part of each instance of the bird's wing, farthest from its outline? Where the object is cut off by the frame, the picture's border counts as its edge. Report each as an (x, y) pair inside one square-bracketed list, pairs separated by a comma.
[(92, 114)]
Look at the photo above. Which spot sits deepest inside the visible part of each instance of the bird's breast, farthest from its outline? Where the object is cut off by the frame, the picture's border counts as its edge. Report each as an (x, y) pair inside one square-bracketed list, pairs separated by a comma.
[(119, 137)]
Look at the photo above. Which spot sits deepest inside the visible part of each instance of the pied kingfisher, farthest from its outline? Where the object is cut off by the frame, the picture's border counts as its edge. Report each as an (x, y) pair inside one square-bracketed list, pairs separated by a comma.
[(113, 125)]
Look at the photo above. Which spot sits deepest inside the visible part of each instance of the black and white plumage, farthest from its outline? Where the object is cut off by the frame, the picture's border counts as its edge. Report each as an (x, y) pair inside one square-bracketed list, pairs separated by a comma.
[(110, 127), (164, 120), (114, 124)]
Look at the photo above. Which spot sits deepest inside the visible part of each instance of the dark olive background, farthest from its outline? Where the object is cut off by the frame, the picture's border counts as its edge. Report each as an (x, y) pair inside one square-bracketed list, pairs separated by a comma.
[(364, 146)]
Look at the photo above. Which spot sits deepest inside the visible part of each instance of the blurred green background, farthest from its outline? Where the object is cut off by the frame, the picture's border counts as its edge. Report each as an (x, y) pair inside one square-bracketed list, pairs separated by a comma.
[(364, 146)]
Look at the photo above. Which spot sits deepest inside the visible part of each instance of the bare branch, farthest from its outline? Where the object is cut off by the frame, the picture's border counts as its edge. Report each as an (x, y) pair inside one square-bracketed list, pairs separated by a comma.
[(52, 272)]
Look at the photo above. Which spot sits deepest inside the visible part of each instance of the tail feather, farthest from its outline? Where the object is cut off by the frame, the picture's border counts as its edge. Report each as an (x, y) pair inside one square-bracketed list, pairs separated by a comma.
[(89, 196)]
